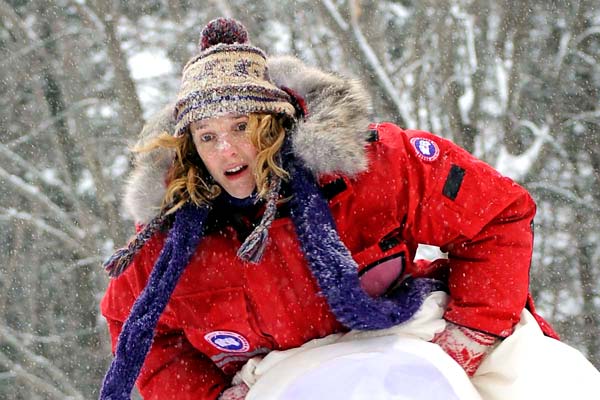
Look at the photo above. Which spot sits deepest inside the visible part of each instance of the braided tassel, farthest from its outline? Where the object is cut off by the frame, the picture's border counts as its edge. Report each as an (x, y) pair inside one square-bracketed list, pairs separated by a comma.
[(120, 260), (254, 246)]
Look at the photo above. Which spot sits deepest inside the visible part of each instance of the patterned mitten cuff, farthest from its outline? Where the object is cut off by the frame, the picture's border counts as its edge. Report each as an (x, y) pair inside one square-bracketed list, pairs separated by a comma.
[(236, 392), (466, 346)]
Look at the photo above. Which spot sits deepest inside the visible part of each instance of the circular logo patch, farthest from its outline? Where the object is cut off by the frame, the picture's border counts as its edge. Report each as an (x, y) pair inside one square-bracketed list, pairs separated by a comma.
[(228, 341), (427, 150)]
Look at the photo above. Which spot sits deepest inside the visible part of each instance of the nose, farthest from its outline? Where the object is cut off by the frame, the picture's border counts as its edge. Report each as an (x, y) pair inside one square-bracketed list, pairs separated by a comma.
[(225, 144)]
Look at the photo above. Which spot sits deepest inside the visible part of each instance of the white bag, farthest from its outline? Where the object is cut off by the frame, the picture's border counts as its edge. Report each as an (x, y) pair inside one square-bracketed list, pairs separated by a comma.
[(400, 364), (529, 365)]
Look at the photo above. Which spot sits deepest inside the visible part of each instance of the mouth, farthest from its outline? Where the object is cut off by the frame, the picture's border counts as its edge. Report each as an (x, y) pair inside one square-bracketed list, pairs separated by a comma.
[(235, 171)]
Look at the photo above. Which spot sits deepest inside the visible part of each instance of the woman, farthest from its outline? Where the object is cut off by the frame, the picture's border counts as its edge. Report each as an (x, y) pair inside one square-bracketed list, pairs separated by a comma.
[(275, 214)]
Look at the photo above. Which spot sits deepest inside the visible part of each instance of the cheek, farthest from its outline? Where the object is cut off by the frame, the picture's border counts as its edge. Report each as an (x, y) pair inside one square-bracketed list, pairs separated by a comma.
[(209, 161), (250, 152)]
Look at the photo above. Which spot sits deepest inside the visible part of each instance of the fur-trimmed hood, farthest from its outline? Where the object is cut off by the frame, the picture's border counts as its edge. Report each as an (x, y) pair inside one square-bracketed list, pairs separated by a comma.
[(330, 140)]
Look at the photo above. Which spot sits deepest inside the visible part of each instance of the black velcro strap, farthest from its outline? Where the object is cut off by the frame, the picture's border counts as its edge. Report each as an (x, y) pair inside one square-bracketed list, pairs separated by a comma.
[(369, 267), (333, 188), (372, 136), (453, 182), (389, 243)]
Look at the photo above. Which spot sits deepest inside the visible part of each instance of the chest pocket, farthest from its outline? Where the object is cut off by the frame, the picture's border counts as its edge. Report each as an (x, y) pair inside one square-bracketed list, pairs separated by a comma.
[(381, 266)]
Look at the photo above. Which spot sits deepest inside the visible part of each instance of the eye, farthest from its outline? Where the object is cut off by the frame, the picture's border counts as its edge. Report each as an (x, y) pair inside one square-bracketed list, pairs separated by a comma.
[(241, 127), (206, 137)]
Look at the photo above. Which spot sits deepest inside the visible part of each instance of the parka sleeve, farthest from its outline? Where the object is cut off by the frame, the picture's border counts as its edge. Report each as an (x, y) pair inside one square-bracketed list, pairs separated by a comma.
[(173, 368), (482, 219)]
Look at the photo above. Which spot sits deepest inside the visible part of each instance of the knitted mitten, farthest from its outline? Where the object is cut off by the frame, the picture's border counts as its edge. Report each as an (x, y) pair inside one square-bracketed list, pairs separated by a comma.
[(466, 346), (236, 392)]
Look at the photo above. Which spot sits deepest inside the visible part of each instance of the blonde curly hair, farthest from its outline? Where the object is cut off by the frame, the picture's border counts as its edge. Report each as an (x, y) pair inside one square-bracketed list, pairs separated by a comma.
[(188, 178)]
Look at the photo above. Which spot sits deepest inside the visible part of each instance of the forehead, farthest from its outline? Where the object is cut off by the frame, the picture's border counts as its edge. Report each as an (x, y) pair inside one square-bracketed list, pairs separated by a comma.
[(218, 121)]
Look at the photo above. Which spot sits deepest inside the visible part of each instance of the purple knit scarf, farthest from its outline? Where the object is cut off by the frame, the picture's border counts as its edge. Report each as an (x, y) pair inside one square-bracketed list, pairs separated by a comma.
[(334, 268), (138, 331)]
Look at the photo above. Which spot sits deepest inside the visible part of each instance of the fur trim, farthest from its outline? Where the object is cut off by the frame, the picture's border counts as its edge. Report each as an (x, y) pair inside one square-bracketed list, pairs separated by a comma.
[(331, 139), (333, 136), (145, 186)]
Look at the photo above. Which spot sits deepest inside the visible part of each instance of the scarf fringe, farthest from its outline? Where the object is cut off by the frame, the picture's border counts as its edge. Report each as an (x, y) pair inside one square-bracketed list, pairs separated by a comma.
[(255, 244), (121, 259)]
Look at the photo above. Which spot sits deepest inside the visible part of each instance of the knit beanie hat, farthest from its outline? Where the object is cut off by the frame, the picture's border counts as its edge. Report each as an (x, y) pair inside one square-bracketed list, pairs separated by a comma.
[(228, 76)]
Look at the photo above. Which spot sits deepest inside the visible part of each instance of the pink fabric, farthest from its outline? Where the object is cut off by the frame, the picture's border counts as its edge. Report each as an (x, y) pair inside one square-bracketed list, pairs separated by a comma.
[(379, 278)]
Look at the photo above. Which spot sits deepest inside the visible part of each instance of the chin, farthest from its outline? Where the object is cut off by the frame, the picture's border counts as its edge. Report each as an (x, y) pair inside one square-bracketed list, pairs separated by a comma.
[(240, 194)]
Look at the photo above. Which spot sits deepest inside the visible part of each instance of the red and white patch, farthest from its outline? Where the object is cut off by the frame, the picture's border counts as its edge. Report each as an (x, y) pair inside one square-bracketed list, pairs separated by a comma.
[(426, 149), (228, 341)]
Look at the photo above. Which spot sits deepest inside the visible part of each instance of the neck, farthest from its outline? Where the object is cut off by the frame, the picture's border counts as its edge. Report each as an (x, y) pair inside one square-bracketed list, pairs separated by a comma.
[(246, 202)]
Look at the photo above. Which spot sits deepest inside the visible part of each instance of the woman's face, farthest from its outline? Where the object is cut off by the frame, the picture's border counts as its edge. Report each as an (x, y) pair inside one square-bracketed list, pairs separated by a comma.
[(225, 148)]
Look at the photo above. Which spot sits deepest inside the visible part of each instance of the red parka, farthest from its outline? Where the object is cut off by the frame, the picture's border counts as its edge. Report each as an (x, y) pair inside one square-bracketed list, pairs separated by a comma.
[(418, 188)]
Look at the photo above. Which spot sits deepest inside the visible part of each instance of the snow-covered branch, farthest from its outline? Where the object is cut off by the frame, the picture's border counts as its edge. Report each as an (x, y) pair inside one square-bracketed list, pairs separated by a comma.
[(563, 48), (517, 167), (594, 30), (16, 23), (593, 116), (28, 338), (7, 375), (88, 16), (567, 196), (94, 260), (33, 193), (30, 169), (37, 360), (34, 380), (332, 9), (8, 214), (380, 72), (48, 122), (370, 58)]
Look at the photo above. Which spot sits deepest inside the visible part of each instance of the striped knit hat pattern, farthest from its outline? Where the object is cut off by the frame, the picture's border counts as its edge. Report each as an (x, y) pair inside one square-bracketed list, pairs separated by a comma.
[(228, 76)]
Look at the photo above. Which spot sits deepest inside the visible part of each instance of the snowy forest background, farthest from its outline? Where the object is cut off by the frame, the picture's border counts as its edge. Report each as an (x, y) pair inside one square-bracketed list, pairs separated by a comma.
[(516, 82)]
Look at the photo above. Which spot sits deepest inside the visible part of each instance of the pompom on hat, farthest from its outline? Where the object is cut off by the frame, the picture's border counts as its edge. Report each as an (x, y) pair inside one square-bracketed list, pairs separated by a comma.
[(222, 30), (229, 76)]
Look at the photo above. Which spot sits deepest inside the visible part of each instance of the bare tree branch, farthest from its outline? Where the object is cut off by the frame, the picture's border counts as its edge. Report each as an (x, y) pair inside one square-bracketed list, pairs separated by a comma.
[(376, 66), (7, 335), (369, 61), (19, 28), (70, 242), (131, 109), (33, 193), (30, 169), (544, 190), (35, 381)]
